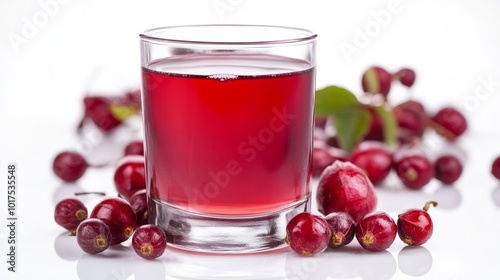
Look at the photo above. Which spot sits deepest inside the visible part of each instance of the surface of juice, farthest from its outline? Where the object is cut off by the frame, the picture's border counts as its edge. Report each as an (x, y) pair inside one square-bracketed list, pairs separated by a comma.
[(228, 134)]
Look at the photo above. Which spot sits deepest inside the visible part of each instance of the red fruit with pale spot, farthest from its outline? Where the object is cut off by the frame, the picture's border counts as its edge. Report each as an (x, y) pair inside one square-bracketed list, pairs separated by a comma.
[(376, 80), (149, 242), (452, 120), (307, 234), (98, 109), (376, 231), (93, 236), (342, 226), (118, 215), (415, 225), (344, 187), (414, 169), (130, 176), (374, 158), (69, 213)]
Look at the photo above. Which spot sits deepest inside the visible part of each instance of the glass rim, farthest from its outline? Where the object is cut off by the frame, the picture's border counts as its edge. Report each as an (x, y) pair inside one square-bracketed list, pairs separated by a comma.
[(302, 35)]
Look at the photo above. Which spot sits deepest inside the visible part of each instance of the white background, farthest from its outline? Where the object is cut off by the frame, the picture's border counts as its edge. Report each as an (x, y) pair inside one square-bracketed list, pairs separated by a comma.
[(93, 45)]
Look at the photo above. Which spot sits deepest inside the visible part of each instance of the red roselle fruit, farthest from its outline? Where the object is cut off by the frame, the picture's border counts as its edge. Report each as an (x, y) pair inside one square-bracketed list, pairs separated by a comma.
[(376, 129), (414, 169), (134, 148), (374, 158), (376, 231), (344, 187), (149, 242), (139, 204), (406, 76), (93, 236), (130, 176), (342, 226), (452, 120), (307, 234), (376, 80), (447, 169), (323, 156), (118, 215), (495, 168), (415, 225), (69, 213), (69, 166), (107, 113)]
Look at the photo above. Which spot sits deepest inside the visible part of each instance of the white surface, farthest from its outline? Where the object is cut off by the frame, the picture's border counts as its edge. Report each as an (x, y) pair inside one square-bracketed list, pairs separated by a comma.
[(85, 45)]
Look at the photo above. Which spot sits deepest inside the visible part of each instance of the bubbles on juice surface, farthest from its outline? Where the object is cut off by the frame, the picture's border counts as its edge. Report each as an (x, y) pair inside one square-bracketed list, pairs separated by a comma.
[(223, 77)]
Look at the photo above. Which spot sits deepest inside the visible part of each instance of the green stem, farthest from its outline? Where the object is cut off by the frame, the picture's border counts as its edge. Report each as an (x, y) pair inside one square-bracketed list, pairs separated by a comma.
[(428, 205)]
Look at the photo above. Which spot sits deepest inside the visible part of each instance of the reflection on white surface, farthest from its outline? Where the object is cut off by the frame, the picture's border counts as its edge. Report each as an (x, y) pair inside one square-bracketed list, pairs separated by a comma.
[(448, 197), (67, 248), (496, 196), (65, 190), (184, 265), (414, 261)]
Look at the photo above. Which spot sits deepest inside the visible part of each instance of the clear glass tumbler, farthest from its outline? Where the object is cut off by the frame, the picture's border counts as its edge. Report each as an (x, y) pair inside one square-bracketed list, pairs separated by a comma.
[(228, 115)]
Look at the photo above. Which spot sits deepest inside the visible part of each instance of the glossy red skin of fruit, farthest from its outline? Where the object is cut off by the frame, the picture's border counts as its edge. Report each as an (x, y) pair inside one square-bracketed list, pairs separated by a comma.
[(93, 236), (376, 231), (381, 82), (133, 99), (415, 170), (98, 109), (406, 76), (452, 120), (323, 156), (374, 158), (118, 215), (447, 169), (376, 129), (69, 213), (342, 226), (139, 204), (69, 166), (495, 168), (149, 242), (413, 106), (130, 176), (414, 227), (344, 187), (308, 234), (410, 123), (134, 148)]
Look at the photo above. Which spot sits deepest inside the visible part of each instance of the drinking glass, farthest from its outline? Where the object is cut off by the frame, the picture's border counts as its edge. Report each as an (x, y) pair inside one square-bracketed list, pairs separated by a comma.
[(228, 116)]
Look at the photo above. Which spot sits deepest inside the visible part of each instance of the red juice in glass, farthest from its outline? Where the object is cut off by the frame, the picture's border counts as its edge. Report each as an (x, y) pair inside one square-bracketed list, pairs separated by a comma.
[(228, 144)]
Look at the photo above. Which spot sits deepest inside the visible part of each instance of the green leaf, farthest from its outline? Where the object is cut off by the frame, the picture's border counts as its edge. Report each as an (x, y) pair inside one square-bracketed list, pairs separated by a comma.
[(333, 99), (388, 123), (351, 125), (350, 119)]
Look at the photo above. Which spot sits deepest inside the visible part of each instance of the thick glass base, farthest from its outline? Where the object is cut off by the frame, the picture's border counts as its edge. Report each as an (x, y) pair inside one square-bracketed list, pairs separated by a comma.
[(224, 234)]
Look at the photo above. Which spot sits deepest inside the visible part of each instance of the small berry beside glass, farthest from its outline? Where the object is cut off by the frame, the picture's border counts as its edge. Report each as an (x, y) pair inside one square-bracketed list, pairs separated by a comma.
[(149, 242)]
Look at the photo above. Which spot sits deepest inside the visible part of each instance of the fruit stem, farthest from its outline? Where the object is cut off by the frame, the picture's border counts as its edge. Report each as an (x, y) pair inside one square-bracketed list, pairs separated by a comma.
[(428, 205), (86, 193), (441, 130)]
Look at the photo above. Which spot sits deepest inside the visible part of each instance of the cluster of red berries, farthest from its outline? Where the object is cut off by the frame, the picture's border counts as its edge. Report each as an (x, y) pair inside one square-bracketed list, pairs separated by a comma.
[(107, 113), (111, 222), (412, 166), (115, 219), (347, 198)]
